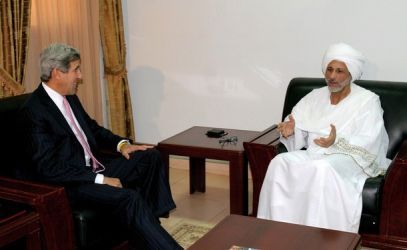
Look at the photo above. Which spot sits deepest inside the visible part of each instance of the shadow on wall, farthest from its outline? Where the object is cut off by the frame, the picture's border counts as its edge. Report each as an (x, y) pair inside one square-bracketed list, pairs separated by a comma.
[(147, 91)]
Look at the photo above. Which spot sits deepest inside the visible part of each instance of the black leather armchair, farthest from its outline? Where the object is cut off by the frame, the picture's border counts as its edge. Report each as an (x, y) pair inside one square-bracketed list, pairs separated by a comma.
[(62, 226), (384, 215)]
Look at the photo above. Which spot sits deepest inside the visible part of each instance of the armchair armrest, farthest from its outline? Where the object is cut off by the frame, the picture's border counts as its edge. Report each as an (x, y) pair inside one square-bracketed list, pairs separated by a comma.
[(20, 225), (260, 151), (394, 203), (393, 217), (51, 204)]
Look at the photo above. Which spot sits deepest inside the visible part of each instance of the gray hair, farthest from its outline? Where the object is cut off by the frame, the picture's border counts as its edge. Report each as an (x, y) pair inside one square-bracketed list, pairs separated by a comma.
[(57, 56)]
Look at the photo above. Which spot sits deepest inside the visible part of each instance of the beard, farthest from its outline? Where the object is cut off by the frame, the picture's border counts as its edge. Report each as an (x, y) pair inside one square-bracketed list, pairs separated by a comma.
[(339, 86), (335, 89)]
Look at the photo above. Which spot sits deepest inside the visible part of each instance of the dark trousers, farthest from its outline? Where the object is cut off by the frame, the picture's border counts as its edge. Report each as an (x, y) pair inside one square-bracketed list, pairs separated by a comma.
[(144, 197)]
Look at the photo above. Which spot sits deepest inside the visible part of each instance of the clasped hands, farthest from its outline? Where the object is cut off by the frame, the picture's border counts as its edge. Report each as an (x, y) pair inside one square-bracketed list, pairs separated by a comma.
[(125, 150), (287, 129)]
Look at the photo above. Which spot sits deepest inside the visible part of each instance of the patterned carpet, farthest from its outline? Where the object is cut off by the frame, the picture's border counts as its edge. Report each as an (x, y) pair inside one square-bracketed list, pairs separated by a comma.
[(186, 232)]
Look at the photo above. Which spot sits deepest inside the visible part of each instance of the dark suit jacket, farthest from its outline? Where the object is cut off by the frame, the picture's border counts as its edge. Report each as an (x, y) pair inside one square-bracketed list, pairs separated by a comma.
[(56, 154)]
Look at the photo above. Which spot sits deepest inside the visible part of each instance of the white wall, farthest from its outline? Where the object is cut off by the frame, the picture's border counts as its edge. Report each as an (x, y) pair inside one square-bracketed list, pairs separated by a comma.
[(227, 63)]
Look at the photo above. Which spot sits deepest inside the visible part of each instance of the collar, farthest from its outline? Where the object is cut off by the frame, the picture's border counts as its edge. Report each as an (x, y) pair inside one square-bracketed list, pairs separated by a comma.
[(55, 96)]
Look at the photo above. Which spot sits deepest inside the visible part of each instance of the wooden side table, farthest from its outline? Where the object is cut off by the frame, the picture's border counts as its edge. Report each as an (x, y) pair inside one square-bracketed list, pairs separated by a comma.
[(197, 146)]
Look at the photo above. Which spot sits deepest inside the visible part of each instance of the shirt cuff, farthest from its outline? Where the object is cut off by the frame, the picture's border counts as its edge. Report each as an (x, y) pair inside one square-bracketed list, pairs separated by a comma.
[(99, 178), (121, 143)]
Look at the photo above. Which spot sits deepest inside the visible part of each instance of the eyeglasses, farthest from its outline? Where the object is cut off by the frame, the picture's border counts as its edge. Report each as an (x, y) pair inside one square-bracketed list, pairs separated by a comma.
[(228, 140)]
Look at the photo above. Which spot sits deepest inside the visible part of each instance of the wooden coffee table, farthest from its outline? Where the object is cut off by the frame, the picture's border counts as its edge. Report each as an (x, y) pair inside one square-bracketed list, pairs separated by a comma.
[(194, 143), (250, 232)]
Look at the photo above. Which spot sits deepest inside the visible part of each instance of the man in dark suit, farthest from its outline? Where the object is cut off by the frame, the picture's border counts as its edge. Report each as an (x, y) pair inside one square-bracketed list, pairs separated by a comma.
[(65, 143)]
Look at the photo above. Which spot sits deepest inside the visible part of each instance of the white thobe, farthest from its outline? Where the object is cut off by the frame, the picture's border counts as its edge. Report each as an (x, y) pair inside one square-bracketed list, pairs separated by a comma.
[(322, 187)]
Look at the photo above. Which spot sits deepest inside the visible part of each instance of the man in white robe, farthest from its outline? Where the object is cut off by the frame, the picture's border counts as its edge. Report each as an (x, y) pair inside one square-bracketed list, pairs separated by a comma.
[(341, 126)]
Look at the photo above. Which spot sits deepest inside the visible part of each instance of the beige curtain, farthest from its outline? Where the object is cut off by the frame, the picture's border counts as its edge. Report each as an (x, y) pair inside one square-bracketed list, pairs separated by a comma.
[(15, 27), (75, 22), (114, 57)]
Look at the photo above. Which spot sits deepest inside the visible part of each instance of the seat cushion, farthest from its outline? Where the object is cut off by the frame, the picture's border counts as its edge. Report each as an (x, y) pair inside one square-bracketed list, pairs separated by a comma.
[(97, 229)]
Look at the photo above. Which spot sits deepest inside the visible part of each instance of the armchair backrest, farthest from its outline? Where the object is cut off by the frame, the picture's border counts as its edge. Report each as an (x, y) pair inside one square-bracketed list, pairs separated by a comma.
[(393, 97), (10, 142)]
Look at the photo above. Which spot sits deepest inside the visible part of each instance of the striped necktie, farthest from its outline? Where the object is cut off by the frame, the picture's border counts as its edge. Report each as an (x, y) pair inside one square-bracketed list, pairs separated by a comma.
[(81, 138)]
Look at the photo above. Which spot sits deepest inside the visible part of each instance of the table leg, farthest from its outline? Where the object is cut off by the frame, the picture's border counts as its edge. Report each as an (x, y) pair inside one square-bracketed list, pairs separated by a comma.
[(196, 175), (238, 175)]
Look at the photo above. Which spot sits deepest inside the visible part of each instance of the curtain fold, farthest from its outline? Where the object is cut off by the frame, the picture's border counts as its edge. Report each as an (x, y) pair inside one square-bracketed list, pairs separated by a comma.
[(74, 22), (14, 37), (114, 57)]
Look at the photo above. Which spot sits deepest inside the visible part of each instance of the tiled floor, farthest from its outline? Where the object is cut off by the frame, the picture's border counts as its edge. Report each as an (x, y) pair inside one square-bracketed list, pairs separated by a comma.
[(209, 207)]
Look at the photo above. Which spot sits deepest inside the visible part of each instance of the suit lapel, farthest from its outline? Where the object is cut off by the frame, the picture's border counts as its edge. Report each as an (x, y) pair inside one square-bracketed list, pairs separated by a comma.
[(52, 108), (49, 105), (80, 117)]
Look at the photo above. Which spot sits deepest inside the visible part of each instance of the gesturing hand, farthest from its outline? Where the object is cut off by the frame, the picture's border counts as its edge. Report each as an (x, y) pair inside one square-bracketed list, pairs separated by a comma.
[(287, 128), (327, 141), (129, 148)]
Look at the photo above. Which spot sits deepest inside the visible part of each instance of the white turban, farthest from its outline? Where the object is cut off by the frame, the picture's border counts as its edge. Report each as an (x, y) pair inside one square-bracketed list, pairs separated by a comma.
[(353, 59)]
